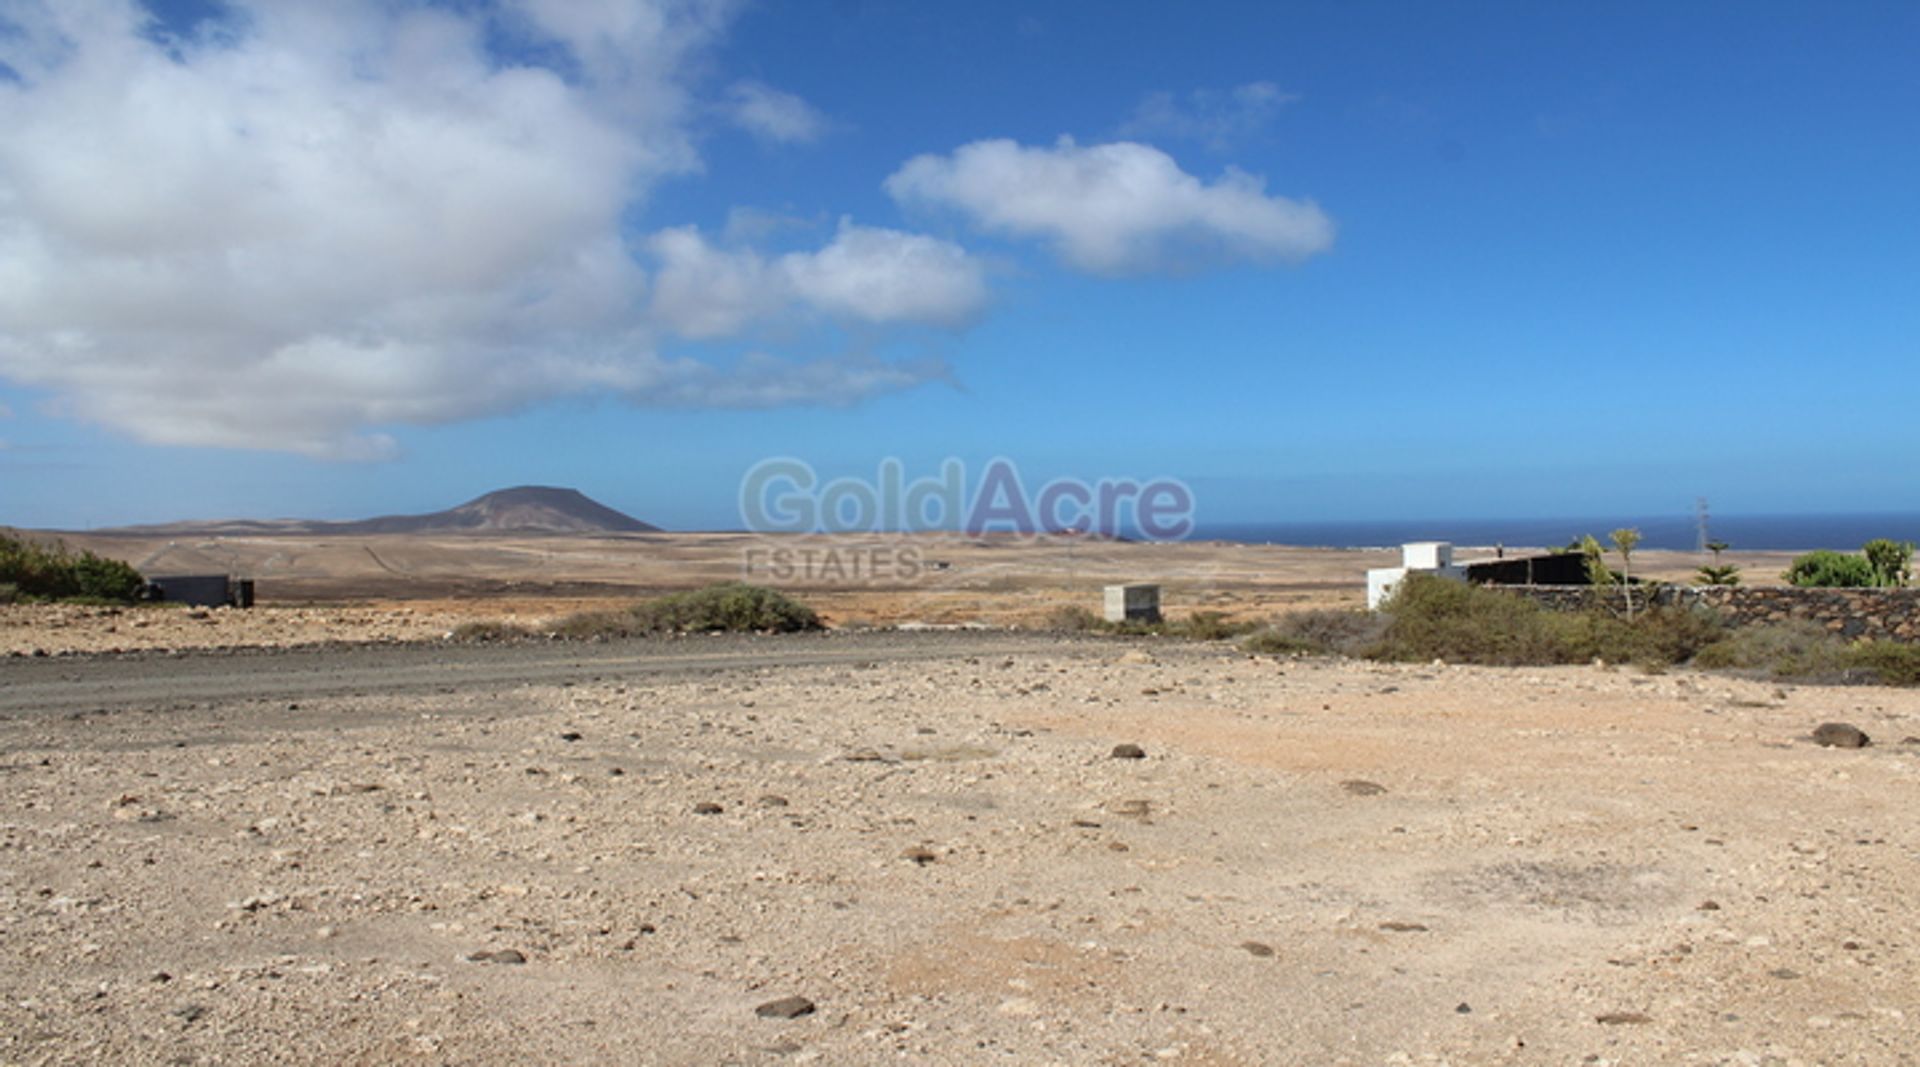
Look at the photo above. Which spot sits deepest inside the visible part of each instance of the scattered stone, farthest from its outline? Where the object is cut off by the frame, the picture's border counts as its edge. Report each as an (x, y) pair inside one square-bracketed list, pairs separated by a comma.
[(919, 855), (1708, 905), (1785, 974), (1360, 787), (707, 807), (505, 955), (1622, 1018), (785, 1008), (1258, 949), (1129, 751), (1840, 735), (772, 800), (1397, 927), (1139, 808), (1463, 1008), (190, 1013), (864, 755), (571, 735)]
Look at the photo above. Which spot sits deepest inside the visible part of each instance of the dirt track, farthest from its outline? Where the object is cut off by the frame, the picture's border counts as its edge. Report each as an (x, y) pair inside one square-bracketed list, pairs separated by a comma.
[(926, 837)]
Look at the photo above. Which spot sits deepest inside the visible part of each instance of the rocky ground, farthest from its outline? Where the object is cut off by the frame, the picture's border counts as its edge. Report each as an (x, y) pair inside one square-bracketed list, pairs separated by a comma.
[(946, 860)]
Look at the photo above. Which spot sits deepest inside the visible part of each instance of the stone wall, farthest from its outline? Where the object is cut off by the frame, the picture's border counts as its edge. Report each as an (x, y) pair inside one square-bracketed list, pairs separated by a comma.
[(1892, 614)]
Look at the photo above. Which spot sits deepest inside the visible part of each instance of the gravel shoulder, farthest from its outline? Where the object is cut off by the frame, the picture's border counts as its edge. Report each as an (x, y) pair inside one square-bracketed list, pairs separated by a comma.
[(621, 853)]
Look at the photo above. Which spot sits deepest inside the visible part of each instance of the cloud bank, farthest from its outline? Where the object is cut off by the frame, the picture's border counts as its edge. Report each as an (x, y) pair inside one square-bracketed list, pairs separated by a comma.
[(291, 228), (1120, 208)]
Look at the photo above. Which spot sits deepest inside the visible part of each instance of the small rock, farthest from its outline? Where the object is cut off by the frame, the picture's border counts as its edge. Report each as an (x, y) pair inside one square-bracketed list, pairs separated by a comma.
[(785, 1008), (505, 955), (707, 807), (1360, 787), (1139, 808), (1129, 752), (1622, 1018), (1257, 949), (919, 855), (1708, 905), (571, 735), (1397, 927), (191, 1013), (1840, 735), (772, 800), (1463, 1008)]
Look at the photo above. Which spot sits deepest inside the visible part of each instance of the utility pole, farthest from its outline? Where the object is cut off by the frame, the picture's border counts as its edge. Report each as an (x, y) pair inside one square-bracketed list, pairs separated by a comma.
[(1700, 505)]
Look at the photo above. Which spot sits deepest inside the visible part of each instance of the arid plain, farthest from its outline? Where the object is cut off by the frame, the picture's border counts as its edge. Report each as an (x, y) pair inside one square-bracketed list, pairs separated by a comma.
[(877, 845)]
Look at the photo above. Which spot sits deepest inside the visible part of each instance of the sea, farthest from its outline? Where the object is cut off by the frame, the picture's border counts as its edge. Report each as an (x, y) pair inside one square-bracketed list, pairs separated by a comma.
[(1749, 533)]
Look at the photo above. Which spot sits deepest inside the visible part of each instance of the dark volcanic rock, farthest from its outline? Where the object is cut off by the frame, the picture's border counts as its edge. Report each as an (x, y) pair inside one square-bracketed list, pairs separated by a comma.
[(785, 1008), (1129, 752), (1840, 735)]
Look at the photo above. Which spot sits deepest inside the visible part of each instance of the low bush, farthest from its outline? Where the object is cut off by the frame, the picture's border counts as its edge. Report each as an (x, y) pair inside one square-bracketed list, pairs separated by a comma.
[(597, 626), (1321, 631), (1797, 649), (489, 631), (1886, 662), (1827, 569), (734, 607), (1804, 652), (35, 570), (1072, 618), (1432, 618), (1207, 626)]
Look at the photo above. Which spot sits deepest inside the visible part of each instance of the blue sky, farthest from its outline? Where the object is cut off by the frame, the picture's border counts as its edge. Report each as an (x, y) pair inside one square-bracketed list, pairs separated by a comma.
[(1479, 260)]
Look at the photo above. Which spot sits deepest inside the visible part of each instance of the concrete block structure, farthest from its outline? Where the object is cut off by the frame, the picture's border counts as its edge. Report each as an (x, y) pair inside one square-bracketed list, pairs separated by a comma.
[(1133, 603), (1419, 557)]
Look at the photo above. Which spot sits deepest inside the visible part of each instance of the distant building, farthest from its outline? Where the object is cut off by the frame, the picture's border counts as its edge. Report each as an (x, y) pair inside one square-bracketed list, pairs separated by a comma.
[(1436, 558), (202, 590)]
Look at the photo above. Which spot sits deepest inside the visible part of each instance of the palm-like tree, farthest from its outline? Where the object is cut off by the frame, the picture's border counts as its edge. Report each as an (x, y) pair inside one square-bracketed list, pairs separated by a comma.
[(1625, 539)]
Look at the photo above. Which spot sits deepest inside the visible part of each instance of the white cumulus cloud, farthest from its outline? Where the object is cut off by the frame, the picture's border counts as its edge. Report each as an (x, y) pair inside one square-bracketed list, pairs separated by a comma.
[(311, 221), (865, 275), (1119, 208), (772, 114)]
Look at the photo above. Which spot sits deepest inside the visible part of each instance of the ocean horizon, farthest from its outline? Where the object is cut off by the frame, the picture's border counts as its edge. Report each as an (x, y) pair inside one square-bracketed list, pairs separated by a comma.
[(1749, 533)]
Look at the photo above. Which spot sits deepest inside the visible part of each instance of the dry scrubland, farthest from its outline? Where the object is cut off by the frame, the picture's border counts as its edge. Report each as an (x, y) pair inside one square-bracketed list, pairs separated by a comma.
[(405, 588), (1313, 862), (923, 847)]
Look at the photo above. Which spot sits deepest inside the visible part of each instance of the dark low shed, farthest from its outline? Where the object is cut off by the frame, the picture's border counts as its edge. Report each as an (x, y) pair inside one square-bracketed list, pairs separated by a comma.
[(202, 590), (1560, 568)]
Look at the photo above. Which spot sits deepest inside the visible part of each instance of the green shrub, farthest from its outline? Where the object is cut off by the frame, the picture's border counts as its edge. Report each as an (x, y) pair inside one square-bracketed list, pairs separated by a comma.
[(1794, 649), (42, 571), (1432, 618), (1321, 631), (1891, 561), (100, 578), (9, 593), (1887, 662), (1717, 574), (733, 607), (1827, 569)]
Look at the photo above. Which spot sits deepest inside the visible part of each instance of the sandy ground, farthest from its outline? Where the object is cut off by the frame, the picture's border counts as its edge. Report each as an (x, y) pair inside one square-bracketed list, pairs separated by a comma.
[(419, 588), (1314, 862)]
